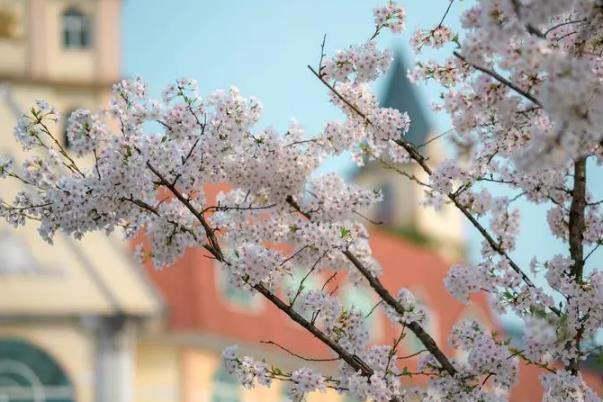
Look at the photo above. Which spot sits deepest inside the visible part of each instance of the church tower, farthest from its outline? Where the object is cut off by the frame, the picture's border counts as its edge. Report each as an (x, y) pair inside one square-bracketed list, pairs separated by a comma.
[(401, 210)]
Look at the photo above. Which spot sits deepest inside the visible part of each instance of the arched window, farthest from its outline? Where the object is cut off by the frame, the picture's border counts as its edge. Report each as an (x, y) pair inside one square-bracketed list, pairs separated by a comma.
[(76, 29), (28, 374), (226, 387)]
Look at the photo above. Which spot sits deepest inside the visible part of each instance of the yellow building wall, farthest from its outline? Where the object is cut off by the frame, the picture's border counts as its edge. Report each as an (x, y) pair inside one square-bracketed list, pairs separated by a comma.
[(71, 64), (199, 368), (157, 372), (32, 45)]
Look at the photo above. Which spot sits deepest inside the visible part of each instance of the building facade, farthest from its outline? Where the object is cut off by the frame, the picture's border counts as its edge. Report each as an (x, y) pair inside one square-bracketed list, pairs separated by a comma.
[(70, 313)]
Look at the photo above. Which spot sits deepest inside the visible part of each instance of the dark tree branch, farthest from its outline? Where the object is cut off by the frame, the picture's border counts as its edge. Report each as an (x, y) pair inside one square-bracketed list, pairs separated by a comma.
[(576, 228), (577, 224), (500, 79), (214, 248), (387, 298), (446, 13), (414, 326), (354, 361), (422, 162), (209, 232)]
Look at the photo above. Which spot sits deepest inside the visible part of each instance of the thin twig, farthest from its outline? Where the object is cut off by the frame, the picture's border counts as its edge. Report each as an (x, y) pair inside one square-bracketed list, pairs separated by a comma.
[(308, 359), (446, 13), (413, 354)]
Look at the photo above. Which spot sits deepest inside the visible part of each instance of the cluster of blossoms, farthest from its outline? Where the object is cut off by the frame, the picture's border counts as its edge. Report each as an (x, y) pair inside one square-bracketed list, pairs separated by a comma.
[(247, 370), (565, 386), (485, 355), (84, 130), (304, 381), (526, 105), (377, 139), (366, 62), (523, 89), (6, 165), (413, 311), (464, 280), (391, 16), (436, 38), (448, 74)]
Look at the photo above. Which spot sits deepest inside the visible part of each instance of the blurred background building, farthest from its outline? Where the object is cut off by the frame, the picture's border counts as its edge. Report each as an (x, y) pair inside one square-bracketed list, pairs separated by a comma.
[(69, 313), (80, 322)]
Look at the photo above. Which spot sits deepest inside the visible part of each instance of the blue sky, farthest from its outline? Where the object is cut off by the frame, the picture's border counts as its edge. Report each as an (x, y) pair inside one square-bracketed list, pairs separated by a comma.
[(263, 46)]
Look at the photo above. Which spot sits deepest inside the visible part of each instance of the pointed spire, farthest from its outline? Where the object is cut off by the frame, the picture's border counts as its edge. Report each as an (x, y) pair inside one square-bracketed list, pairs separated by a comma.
[(401, 94)]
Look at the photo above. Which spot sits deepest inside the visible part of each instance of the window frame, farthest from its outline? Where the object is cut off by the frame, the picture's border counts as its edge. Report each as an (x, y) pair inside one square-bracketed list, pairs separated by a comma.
[(76, 29)]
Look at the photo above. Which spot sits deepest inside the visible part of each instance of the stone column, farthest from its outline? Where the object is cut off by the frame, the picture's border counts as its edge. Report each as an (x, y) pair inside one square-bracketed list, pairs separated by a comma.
[(114, 360)]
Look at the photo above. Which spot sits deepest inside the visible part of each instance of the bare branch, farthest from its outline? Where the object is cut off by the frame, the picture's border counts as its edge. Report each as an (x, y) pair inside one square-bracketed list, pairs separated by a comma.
[(308, 359)]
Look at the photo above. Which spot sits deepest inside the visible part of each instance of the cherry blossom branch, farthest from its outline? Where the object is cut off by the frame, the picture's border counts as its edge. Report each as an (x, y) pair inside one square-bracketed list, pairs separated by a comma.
[(384, 294), (500, 79), (352, 360), (412, 354), (520, 353), (300, 288), (422, 161), (143, 205), (372, 310), (60, 147), (396, 169), (561, 24), (474, 222), (209, 232), (223, 208), (576, 228), (426, 339), (393, 351), (437, 137), (214, 248)]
